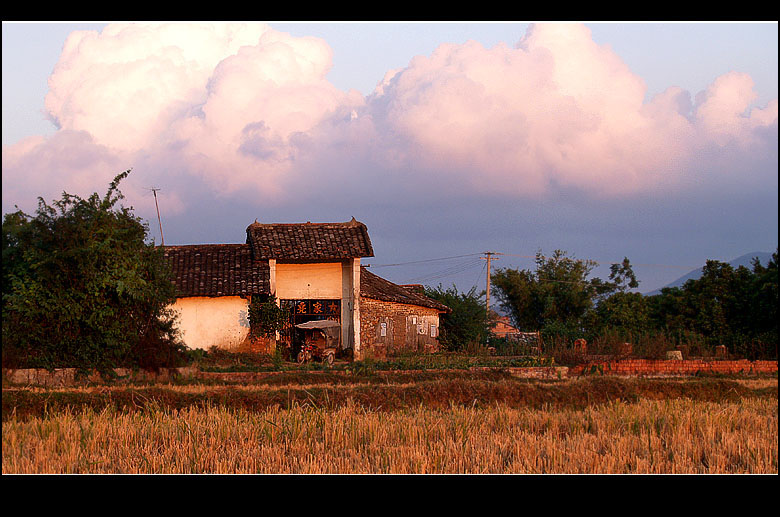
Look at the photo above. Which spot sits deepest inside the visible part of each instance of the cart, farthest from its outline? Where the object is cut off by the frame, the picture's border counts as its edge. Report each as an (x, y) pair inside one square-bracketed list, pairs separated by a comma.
[(321, 340)]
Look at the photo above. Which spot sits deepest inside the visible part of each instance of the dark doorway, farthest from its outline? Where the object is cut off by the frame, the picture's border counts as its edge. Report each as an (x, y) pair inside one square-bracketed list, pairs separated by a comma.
[(301, 311)]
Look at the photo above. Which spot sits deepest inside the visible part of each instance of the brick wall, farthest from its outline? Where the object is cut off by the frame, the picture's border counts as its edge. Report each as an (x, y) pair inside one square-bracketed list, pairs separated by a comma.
[(675, 367), (407, 328)]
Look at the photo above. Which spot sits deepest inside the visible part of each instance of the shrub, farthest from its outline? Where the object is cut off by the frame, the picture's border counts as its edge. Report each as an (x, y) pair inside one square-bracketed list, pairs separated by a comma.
[(82, 288)]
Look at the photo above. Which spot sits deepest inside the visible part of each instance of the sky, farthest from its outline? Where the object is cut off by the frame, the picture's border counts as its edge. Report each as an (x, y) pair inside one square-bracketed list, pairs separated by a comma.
[(652, 141)]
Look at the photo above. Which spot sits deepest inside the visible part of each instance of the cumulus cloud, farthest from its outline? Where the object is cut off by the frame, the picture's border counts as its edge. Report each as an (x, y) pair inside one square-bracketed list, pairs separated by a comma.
[(244, 108), (68, 161), (558, 110), (127, 84), (221, 104)]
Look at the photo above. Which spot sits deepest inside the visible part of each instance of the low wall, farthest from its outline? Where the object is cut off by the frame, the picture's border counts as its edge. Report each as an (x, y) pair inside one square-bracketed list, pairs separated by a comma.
[(531, 372), (643, 367), (61, 377)]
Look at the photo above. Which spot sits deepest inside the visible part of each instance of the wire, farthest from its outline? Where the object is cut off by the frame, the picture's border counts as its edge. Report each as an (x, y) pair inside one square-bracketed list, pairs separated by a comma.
[(449, 271), (484, 270), (427, 260), (601, 263)]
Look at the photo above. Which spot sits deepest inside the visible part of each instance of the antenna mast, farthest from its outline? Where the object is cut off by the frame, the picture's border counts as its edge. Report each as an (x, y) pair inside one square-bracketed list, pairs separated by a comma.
[(159, 221)]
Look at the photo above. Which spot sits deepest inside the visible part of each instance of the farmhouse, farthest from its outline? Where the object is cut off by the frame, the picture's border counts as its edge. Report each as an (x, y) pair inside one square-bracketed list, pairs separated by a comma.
[(314, 271), (502, 327)]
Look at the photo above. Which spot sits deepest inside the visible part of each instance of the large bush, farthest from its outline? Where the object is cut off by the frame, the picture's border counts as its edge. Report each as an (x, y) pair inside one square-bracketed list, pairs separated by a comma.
[(82, 288), (467, 324)]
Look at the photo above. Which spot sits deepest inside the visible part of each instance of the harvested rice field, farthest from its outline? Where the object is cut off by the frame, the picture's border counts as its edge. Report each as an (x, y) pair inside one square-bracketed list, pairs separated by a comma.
[(382, 425)]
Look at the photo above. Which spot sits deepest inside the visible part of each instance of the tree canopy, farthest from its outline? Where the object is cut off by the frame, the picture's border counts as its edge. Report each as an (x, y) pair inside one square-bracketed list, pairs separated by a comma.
[(467, 323), (557, 291), (736, 307), (83, 288)]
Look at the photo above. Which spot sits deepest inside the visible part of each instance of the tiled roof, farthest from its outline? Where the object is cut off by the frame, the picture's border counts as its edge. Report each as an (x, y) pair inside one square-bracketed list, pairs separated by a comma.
[(377, 288), (309, 241), (217, 270)]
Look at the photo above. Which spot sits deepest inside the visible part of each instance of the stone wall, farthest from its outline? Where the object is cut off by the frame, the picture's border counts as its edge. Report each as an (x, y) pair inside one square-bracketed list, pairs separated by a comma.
[(654, 367), (63, 377), (389, 328)]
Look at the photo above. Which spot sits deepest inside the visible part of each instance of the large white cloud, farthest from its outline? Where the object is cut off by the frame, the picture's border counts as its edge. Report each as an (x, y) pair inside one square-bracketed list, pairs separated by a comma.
[(241, 107), (218, 103), (559, 110), (126, 84)]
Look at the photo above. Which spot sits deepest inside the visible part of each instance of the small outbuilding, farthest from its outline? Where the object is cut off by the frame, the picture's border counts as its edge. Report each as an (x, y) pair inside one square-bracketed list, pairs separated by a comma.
[(397, 319)]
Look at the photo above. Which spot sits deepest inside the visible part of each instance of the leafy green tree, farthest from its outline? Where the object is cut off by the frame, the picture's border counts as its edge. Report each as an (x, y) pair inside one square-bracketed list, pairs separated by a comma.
[(711, 298), (624, 312), (82, 288), (667, 311), (622, 276), (467, 323), (557, 291), (728, 306), (764, 299), (616, 308)]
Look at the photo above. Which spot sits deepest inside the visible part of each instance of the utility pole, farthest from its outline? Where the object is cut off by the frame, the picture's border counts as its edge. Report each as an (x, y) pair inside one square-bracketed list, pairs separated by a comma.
[(488, 256), (159, 221)]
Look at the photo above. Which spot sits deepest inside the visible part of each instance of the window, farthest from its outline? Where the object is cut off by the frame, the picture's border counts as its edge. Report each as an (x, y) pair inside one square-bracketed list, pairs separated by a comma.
[(383, 329), (433, 330)]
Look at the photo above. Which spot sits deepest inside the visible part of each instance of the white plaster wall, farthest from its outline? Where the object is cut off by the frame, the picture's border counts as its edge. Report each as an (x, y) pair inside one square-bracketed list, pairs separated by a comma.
[(308, 281), (205, 322), (350, 305)]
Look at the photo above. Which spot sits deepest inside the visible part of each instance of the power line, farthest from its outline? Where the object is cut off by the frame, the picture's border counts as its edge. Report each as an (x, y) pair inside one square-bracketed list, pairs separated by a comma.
[(488, 256), (426, 260), (597, 262), (602, 263), (449, 271), (484, 267)]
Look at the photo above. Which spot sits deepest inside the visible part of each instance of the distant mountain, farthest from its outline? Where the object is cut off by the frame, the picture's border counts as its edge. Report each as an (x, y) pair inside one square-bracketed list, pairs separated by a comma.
[(744, 260)]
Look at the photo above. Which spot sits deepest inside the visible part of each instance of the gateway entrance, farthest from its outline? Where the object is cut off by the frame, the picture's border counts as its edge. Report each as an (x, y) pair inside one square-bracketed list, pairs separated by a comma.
[(301, 311)]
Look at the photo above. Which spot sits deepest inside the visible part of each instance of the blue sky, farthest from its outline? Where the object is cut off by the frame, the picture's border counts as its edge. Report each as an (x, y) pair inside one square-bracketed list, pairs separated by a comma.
[(419, 210)]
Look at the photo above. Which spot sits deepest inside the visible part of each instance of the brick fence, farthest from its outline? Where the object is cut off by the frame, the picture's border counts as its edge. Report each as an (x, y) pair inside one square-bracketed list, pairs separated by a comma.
[(640, 367)]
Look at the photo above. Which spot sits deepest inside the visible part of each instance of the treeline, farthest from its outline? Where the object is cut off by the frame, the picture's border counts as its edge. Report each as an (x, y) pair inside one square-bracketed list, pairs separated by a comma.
[(735, 307)]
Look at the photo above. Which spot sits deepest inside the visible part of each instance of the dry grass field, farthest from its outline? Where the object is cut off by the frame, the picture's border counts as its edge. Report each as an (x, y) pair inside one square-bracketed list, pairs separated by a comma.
[(620, 426)]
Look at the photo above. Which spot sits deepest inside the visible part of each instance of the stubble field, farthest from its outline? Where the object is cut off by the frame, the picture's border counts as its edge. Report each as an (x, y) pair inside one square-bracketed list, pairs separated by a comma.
[(459, 424)]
